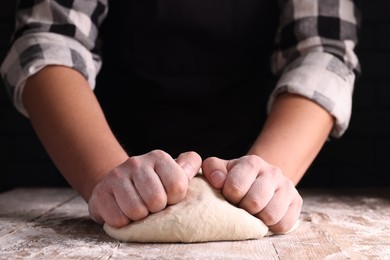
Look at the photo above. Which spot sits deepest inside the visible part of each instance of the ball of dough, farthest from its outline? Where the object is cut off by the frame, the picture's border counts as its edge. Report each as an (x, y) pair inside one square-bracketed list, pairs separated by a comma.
[(204, 215)]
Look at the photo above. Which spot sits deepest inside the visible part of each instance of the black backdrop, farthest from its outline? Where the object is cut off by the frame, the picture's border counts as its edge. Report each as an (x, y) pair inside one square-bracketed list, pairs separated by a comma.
[(359, 159)]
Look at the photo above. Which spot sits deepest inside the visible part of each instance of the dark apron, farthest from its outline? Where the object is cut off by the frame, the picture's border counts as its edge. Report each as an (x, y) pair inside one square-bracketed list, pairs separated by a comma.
[(183, 75)]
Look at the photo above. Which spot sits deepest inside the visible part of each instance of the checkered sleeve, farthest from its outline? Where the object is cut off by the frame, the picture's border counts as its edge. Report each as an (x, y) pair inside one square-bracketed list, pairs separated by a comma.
[(315, 55), (53, 32)]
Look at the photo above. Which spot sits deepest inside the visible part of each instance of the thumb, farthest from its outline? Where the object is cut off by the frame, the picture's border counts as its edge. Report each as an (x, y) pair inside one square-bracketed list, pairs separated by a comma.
[(215, 171), (190, 162)]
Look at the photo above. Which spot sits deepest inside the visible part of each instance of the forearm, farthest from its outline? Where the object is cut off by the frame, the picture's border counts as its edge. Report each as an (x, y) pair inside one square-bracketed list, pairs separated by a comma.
[(71, 125), (294, 132)]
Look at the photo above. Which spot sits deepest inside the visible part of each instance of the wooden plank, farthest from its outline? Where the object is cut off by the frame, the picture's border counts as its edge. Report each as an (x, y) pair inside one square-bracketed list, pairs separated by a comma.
[(23, 205), (251, 249), (55, 224), (357, 221), (67, 232), (308, 241), (63, 232)]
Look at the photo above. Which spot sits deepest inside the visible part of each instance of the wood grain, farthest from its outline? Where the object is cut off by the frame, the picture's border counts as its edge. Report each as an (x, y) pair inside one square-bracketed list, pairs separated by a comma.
[(43, 223)]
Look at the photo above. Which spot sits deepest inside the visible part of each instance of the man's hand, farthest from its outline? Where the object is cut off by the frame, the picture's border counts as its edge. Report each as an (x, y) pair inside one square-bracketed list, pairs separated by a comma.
[(143, 184), (258, 187)]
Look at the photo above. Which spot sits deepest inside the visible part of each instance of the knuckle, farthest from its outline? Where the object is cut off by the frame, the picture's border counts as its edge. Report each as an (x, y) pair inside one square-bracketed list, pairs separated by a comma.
[(100, 192), (251, 160), (134, 162), (234, 193), (159, 154), (179, 189), (269, 217), (137, 213), (118, 221), (286, 224), (281, 227), (157, 203), (134, 209), (287, 187), (253, 204), (275, 171), (177, 194), (160, 158), (116, 174)]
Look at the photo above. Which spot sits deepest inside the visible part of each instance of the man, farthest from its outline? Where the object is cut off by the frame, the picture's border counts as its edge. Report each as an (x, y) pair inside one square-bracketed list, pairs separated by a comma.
[(182, 87)]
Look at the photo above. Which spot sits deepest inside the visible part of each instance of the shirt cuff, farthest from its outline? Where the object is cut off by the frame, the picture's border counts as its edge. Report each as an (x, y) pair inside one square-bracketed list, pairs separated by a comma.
[(324, 79), (32, 52)]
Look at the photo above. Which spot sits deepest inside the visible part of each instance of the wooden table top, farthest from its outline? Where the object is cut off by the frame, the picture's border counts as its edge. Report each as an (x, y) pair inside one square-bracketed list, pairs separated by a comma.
[(53, 223)]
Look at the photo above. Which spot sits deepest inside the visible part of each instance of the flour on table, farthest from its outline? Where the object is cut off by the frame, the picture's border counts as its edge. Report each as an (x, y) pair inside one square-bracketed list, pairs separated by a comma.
[(204, 215)]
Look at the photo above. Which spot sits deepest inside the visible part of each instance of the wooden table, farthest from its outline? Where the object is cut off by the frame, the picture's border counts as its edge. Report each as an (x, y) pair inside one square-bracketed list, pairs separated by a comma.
[(53, 223)]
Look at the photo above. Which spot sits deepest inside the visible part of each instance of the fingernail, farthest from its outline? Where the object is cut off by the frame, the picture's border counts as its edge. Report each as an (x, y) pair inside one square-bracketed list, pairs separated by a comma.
[(218, 178)]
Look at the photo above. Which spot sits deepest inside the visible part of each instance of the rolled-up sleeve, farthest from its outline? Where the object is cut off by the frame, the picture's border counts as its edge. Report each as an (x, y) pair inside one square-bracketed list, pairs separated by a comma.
[(315, 55), (52, 32)]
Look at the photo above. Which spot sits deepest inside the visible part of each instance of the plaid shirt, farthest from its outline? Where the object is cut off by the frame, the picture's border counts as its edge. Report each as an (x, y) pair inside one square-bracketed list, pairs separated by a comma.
[(314, 58)]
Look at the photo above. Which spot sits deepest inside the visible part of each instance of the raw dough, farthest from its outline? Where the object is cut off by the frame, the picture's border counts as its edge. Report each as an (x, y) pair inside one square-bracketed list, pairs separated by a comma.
[(204, 215)]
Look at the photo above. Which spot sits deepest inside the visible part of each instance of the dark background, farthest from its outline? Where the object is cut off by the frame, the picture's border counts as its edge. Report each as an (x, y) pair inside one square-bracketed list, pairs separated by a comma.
[(359, 159)]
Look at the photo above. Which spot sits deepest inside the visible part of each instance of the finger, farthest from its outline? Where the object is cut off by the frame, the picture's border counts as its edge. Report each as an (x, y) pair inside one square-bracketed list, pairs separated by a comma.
[(241, 177), (277, 207), (130, 202), (215, 171), (190, 162), (258, 196), (104, 209), (171, 175), (290, 219), (147, 183)]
